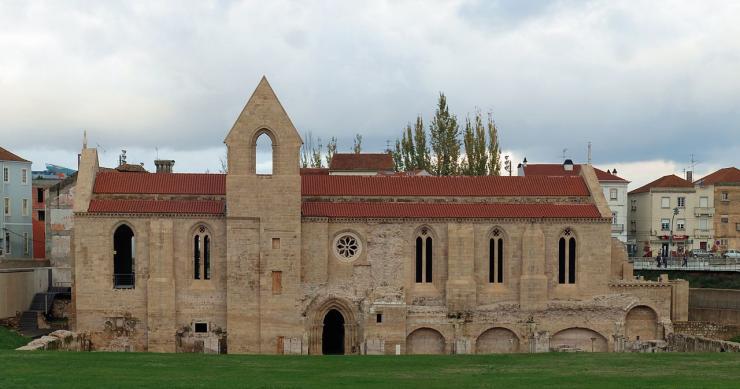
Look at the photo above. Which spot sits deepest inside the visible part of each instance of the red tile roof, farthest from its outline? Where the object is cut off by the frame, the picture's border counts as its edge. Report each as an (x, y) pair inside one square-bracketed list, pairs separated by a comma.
[(728, 174), (554, 169), (362, 162), (669, 181), (442, 186), (434, 210), (157, 206), (160, 183), (6, 155), (325, 185)]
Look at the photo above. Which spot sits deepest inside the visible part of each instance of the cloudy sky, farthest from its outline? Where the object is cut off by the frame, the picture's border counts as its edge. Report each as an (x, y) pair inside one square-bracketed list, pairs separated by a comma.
[(649, 83)]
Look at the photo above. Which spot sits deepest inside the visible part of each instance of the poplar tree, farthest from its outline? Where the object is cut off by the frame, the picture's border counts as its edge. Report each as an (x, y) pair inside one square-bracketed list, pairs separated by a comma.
[(408, 151), (331, 149), (397, 154), (444, 132), (494, 149), (420, 146), (357, 147), (316, 154)]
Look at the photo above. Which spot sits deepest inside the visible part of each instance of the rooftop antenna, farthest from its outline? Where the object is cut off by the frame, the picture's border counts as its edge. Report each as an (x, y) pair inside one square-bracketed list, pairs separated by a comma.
[(589, 152), (99, 146), (84, 139), (565, 154), (156, 150)]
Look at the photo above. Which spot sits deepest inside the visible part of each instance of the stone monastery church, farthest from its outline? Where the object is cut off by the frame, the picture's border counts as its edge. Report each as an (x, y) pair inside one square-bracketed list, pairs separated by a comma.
[(292, 263)]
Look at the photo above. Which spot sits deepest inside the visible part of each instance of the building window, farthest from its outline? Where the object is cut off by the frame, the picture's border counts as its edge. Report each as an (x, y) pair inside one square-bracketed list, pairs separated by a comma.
[(724, 219), (275, 243), (264, 158), (682, 202), (724, 196), (24, 207), (6, 175), (26, 244), (681, 224), (665, 202), (424, 256), (614, 218), (201, 327), (496, 257), (347, 246), (665, 224), (704, 201), (7, 243), (613, 194), (737, 226), (42, 216), (24, 176), (379, 318), (40, 195), (124, 252), (703, 223), (277, 282), (202, 254), (6, 206), (567, 258)]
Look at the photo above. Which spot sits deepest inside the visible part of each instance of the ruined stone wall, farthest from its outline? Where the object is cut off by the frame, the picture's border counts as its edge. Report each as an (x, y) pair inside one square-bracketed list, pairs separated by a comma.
[(690, 343), (707, 329)]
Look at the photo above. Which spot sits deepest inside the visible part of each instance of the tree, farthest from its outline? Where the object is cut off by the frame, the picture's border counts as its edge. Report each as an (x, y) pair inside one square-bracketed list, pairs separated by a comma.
[(421, 149), (311, 151), (331, 149), (357, 147), (494, 149), (223, 160), (397, 154), (316, 154), (444, 132), (408, 151)]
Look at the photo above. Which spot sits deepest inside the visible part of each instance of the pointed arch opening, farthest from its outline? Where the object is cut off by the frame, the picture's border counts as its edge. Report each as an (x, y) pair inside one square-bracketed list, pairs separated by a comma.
[(496, 254), (567, 266), (264, 154), (424, 256), (202, 253), (641, 323), (124, 253)]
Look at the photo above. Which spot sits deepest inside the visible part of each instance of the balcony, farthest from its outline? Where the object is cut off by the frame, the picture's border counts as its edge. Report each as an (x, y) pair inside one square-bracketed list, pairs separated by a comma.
[(703, 233), (618, 228), (703, 211)]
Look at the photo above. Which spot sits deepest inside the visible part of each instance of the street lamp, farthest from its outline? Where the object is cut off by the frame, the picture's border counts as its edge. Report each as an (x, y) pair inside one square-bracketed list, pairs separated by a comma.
[(670, 238)]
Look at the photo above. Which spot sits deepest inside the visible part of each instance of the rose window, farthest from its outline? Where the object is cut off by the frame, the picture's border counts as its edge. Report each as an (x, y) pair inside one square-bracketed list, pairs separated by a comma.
[(347, 246)]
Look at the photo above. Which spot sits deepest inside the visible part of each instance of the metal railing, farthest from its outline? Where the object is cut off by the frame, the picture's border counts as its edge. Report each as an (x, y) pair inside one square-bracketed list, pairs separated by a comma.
[(703, 232), (716, 264), (124, 281), (617, 227)]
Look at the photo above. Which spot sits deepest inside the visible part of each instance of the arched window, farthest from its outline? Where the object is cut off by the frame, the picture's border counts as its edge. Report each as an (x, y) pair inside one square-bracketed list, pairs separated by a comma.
[(263, 156), (496, 257), (202, 254), (567, 258), (424, 256), (124, 252)]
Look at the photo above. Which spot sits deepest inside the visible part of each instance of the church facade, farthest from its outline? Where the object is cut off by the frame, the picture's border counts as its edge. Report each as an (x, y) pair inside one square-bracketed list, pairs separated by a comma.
[(287, 263)]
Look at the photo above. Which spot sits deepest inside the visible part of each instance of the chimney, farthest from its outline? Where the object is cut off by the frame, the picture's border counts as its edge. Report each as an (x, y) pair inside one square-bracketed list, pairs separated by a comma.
[(164, 165), (689, 176), (568, 165)]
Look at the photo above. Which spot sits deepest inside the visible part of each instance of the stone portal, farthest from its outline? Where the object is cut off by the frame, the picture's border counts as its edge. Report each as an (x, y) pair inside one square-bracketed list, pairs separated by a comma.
[(333, 333)]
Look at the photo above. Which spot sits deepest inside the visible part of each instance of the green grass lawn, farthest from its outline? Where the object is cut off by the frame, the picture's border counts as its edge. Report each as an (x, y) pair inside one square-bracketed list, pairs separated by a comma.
[(10, 340), (567, 370)]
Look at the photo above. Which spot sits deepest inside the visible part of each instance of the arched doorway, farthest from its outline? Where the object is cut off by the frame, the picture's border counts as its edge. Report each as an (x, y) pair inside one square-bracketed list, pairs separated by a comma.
[(497, 340), (583, 339), (641, 323), (332, 336), (425, 341)]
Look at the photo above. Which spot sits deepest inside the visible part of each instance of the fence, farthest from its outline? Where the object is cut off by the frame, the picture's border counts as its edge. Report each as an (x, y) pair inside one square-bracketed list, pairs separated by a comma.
[(687, 264)]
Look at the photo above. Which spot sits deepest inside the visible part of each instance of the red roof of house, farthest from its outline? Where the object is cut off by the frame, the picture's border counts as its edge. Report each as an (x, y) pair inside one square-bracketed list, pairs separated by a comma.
[(442, 186), (157, 206), (434, 210), (728, 174), (669, 181), (6, 155), (160, 183), (362, 162), (325, 185), (554, 169)]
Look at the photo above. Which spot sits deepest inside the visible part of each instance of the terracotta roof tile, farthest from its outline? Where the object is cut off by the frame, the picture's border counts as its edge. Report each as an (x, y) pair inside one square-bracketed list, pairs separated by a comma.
[(160, 183), (157, 206), (728, 174), (669, 181), (320, 171), (362, 162), (554, 169), (433, 210), (442, 186), (6, 155)]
